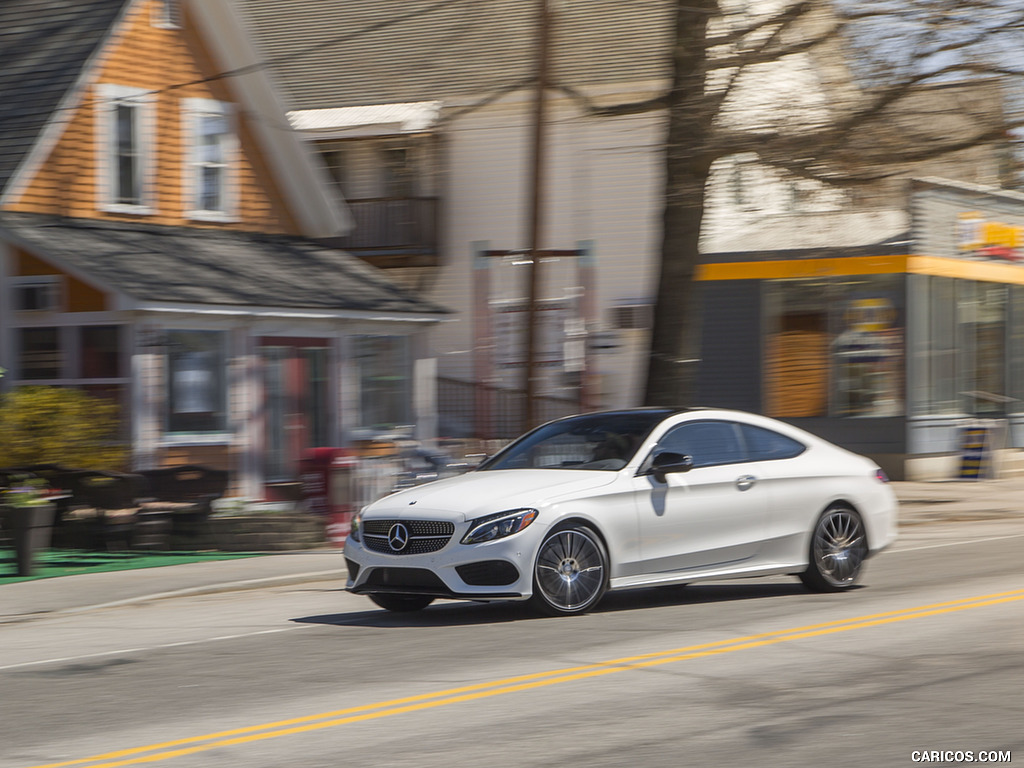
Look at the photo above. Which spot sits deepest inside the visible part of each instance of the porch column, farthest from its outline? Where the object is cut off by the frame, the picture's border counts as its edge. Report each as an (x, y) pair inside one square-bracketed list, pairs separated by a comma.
[(247, 413), (147, 394), (6, 316)]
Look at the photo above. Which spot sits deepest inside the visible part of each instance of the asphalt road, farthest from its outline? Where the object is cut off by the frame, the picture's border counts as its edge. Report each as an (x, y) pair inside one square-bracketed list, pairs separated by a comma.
[(926, 656)]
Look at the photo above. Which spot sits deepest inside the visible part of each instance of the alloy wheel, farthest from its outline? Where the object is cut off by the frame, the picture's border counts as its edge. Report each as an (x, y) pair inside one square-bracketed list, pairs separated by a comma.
[(570, 575), (838, 549)]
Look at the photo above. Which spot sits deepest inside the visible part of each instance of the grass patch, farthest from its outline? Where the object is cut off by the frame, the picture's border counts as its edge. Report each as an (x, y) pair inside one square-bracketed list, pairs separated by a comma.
[(70, 562)]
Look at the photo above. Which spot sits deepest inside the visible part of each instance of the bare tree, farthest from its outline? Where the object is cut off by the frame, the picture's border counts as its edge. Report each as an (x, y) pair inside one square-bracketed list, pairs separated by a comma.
[(822, 90)]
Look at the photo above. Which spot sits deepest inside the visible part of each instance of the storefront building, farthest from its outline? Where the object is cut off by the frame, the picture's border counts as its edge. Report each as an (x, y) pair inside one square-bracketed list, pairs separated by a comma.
[(892, 350)]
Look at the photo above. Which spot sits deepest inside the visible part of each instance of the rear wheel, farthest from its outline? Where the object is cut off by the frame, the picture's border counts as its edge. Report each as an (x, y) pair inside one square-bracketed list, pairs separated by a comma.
[(571, 572), (402, 603), (837, 551)]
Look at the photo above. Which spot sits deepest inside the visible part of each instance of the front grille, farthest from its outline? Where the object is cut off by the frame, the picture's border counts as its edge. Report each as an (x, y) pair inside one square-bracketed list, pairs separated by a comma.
[(488, 573), (416, 527), (425, 536)]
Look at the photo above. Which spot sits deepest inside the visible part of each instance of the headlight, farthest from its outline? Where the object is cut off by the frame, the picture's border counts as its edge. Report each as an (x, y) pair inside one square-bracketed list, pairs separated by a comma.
[(499, 525), (355, 531)]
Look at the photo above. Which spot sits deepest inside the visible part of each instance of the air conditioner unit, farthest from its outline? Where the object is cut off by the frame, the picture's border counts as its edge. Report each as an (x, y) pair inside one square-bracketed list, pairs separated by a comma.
[(631, 317)]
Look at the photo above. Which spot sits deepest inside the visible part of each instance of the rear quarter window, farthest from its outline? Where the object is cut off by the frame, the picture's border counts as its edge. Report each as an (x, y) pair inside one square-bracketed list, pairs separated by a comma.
[(765, 444)]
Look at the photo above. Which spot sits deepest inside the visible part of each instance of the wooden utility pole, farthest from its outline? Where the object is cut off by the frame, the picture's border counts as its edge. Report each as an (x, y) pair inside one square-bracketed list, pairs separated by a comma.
[(530, 370)]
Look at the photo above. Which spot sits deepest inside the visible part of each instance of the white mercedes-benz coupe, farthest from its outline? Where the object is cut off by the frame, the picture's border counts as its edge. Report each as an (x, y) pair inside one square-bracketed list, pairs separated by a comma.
[(622, 499)]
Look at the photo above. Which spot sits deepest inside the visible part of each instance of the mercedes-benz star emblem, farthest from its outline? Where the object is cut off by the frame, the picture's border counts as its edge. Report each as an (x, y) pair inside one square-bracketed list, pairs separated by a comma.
[(398, 537)]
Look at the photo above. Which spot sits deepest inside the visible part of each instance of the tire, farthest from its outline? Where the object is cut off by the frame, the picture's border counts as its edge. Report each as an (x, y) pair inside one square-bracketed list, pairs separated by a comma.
[(570, 575), (402, 603), (838, 549)]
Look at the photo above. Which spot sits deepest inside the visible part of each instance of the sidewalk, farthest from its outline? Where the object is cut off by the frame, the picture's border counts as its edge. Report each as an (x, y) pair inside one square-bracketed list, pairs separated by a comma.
[(920, 503), (30, 599), (960, 500)]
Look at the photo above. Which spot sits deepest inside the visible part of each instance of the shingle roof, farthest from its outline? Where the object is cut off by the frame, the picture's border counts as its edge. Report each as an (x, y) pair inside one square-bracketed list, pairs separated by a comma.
[(183, 265), (44, 44), (328, 53)]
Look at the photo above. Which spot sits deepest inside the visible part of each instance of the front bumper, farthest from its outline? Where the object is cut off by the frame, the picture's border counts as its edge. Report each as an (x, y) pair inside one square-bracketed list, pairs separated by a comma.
[(495, 570)]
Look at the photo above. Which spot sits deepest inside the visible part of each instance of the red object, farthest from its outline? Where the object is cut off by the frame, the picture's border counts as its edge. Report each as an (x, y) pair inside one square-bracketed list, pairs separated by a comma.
[(328, 488)]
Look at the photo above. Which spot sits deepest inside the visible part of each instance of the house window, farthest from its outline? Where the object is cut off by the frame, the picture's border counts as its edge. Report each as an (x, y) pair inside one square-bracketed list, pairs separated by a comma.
[(212, 147), (167, 14), (385, 384), (334, 156), (397, 171), (101, 352), (124, 128), (37, 294), (196, 384), (41, 356)]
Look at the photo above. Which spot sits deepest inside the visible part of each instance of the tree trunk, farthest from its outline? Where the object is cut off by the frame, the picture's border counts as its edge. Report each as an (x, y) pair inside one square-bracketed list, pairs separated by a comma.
[(675, 339)]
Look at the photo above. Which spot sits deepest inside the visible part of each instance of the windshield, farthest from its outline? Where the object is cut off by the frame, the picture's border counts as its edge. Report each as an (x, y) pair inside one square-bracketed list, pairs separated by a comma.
[(600, 441)]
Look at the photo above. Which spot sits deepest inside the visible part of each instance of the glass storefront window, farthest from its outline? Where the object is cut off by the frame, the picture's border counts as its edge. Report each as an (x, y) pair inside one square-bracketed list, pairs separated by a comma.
[(867, 347), (384, 380), (196, 381), (942, 347), (796, 349), (834, 347), (986, 389), (1015, 353)]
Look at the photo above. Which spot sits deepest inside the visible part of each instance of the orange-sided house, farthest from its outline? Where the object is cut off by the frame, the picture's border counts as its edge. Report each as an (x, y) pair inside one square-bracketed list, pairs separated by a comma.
[(161, 244)]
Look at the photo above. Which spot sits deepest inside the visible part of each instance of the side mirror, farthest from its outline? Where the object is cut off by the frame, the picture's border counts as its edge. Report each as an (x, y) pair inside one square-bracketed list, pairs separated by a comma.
[(666, 462)]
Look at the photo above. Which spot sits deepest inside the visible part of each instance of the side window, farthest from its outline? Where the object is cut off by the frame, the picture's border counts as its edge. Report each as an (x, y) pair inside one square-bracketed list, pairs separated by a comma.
[(125, 127), (708, 442), (210, 164), (764, 445)]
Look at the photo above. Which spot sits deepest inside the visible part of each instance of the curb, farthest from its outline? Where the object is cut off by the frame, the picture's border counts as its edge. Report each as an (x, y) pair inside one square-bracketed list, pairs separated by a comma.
[(206, 589)]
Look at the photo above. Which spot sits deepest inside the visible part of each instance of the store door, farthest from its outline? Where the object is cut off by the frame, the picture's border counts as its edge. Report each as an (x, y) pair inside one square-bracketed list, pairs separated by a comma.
[(296, 404)]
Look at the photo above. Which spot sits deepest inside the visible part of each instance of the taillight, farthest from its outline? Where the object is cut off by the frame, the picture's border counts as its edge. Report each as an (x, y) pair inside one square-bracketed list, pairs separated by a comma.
[(880, 476)]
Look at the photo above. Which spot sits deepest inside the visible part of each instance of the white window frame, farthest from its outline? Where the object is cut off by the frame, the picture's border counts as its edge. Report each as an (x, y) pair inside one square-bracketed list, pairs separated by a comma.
[(223, 393), (111, 96), (194, 111)]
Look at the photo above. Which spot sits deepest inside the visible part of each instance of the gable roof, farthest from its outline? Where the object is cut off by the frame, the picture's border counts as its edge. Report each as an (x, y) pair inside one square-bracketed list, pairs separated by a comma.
[(161, 266), (44, 47), (389, 51)]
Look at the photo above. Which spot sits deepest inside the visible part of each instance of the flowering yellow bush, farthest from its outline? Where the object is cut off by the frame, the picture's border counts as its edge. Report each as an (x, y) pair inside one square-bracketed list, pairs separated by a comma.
[(59, 425)]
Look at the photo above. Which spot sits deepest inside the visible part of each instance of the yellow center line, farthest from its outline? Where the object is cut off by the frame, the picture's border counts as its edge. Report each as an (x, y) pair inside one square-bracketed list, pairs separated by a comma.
[(254, 733)]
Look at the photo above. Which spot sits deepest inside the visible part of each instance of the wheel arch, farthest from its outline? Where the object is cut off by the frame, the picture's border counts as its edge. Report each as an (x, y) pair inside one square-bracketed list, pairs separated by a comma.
[(572, 520)]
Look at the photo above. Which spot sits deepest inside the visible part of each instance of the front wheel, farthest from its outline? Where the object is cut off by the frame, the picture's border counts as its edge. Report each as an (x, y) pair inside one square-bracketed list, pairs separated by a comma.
[(837, 551), (571, 572), (402, 603)]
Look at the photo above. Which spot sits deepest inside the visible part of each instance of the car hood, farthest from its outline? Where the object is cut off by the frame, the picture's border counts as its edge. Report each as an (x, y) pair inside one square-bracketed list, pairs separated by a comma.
[(476, 494)]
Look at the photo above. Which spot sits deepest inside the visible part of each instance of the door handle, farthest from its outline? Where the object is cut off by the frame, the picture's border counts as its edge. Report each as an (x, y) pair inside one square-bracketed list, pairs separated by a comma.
[(746, 482)]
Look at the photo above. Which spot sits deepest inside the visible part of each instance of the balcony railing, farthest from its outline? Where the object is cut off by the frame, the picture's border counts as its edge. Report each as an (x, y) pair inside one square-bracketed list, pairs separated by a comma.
[(393, 227)]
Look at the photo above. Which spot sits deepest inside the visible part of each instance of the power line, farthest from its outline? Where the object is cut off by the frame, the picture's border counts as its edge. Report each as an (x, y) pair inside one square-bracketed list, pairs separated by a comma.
[(286, 58)]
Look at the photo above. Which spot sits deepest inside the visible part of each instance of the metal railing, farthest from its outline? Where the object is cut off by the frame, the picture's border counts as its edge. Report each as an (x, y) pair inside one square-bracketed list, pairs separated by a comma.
[(395, 223)]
